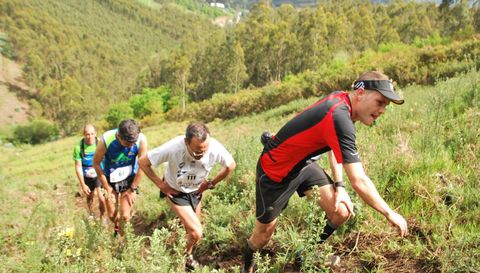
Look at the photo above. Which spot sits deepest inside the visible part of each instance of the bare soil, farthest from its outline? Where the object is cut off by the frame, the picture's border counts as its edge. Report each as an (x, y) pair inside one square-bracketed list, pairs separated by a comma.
[(12, 110), (350, 251)]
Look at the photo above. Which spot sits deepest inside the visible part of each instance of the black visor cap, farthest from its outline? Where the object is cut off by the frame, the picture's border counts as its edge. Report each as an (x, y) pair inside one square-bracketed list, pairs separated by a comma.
[(385, 87)]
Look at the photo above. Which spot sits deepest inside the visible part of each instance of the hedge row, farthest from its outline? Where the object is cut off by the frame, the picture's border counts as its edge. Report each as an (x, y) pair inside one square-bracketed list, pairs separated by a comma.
[(405, 64)]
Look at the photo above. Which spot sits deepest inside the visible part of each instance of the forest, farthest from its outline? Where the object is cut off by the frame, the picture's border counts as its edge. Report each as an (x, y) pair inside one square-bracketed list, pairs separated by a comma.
[(80, 55)]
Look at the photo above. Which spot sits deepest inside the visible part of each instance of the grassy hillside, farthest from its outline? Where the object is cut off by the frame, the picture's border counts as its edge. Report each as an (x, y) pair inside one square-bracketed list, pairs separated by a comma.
[(423, 157), (89, 52)]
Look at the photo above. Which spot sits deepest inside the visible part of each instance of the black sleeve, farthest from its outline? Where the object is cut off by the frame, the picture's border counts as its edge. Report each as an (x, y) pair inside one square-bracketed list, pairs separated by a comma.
[(345, 148)]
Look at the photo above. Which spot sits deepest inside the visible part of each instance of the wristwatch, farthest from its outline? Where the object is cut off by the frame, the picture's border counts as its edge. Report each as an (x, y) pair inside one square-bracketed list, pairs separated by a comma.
[(339, 184), (210, 184), (134, 189)]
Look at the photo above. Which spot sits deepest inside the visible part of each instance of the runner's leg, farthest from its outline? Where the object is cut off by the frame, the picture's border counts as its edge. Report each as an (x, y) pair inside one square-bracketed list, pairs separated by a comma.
[(191, 222), (101, 202), (90, 202), (90, 196), (125, 212), (326, 200)]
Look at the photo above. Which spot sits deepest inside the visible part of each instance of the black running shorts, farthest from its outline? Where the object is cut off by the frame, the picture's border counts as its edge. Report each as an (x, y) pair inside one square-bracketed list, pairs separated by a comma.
[(92, 183), (272, 197), (184, 199), (121, 186)]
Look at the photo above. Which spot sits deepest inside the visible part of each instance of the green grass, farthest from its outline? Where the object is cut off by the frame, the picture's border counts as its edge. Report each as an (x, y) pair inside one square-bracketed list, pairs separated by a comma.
[(423, 157)]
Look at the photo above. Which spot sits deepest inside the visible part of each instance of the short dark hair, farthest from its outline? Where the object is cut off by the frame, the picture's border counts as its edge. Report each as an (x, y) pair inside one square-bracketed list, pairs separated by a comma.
[(129, 130), (198, 130)]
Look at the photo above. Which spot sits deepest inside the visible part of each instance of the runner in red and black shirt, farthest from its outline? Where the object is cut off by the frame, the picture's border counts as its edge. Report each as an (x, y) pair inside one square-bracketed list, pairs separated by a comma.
[(286, 164), (324, 126)]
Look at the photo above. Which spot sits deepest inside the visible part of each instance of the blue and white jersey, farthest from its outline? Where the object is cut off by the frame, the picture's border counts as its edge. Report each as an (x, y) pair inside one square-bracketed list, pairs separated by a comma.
[(119, 162)]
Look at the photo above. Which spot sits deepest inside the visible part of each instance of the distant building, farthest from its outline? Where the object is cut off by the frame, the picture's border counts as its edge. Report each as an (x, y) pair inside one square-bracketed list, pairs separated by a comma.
[(217, 5)]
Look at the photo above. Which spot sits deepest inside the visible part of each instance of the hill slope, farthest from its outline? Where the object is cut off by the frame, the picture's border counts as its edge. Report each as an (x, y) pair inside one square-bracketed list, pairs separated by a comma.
[(91, 49), (423, 156), (12, 110)]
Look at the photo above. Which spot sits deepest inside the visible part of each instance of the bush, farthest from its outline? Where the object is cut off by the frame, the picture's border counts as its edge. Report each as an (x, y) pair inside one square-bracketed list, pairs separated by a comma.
[(5, 46), (150, 101), (35, 132), (117, 113)]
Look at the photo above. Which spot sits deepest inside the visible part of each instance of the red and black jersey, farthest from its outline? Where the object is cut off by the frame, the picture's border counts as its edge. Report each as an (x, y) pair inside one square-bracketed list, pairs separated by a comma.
[(323, 126)]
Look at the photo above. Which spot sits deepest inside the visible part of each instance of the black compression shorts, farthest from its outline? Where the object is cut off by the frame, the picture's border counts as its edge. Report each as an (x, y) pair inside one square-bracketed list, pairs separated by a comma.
[(272, 197), (185, 199), (121, 186), (92, 183)]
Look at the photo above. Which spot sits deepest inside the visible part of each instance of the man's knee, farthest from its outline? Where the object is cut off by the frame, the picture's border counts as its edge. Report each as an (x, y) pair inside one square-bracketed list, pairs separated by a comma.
[(340, 216), (91, 195), (196, 234), (100, 196), (112, 217), (125, 214)]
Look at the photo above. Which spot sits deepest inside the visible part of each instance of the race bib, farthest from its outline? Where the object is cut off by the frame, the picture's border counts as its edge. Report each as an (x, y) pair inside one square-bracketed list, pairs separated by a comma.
[(90, 172), (120, 174), (190, 181)]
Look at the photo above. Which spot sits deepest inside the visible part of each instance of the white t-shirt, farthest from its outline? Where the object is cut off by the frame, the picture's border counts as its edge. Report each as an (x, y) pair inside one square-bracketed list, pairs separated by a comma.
[(184, 173)]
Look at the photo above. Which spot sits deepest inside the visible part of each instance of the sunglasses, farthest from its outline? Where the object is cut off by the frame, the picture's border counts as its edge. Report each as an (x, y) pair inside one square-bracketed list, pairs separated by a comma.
[(129, 140), (195, 154)]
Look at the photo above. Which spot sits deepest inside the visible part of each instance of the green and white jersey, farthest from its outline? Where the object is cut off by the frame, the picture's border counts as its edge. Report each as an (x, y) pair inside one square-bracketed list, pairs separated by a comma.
[(86, 157)]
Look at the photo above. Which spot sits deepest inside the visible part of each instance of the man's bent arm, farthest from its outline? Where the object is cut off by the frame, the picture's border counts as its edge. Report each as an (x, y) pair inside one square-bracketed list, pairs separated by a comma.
[(362, 184), (145, 164), (79, 173), (97, 160), (224, 172), (142, 151), (336, 168)]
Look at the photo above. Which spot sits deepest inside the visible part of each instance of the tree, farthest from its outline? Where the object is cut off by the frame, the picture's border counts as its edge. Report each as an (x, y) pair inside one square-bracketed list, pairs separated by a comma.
[(219, 67), (236, 72), (386, 32), (458, 19), (118, 112), (311, 31), (64, 101), (209, 67), (283, 44), (180, 67), (254, 35), (363, 28)]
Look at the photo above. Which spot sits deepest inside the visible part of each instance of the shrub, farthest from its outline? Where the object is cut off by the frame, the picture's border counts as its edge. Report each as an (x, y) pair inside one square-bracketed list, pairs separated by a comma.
[(117, 113), (35, 132), (150, 101), (5, 46)]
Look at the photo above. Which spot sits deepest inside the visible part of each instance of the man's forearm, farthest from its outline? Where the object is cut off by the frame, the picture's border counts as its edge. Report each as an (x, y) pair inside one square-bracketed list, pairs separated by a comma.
[(224, 172), (138, 177), (368, 192), (79, 174), (101, 176), (147, 169), (335, 167)]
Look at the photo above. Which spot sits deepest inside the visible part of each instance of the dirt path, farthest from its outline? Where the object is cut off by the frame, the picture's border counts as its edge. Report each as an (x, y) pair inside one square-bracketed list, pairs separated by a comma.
[(12, 110)]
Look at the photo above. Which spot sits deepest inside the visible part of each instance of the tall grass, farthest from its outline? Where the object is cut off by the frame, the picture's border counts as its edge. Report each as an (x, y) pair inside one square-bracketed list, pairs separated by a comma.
[(423, 157)]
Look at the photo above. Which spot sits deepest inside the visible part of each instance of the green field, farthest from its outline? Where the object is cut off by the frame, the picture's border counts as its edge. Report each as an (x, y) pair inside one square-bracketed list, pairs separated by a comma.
[(423, 156)]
